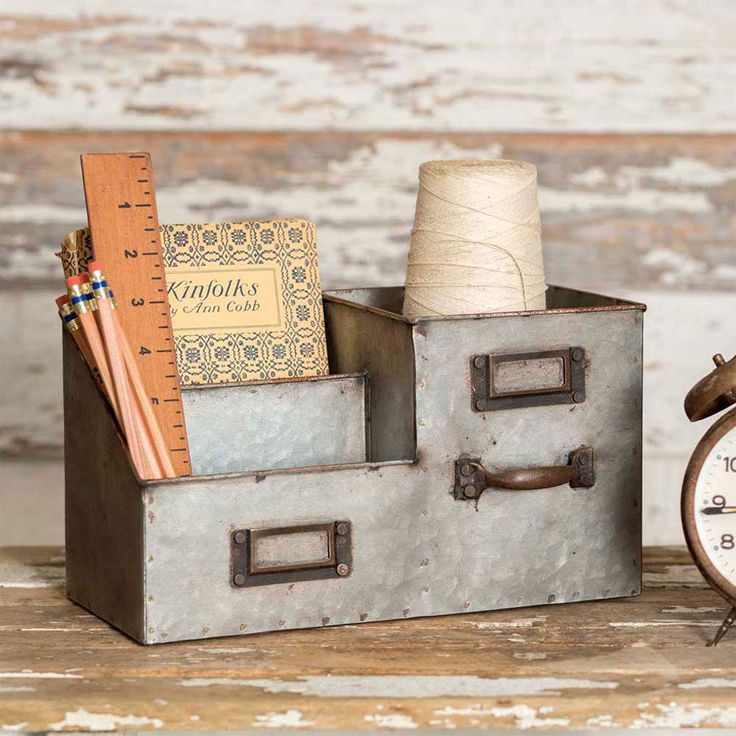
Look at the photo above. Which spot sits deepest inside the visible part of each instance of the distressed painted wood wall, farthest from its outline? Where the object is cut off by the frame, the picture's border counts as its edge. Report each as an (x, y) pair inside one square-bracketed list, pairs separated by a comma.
[(326, 110)]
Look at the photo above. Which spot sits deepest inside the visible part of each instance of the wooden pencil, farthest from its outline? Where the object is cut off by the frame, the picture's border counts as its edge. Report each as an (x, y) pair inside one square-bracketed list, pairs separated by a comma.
[(147, 461), (111, 367), (84, 306), (141, 398), (71, 321)]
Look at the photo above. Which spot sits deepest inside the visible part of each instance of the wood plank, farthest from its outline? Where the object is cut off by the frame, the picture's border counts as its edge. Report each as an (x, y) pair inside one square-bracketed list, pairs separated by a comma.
[(623, 663), (568, 66), (617, 211)]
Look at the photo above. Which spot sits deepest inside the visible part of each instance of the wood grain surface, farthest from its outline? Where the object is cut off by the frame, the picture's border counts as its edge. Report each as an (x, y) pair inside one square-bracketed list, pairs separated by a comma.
[(625, 663), (617, 211), (384, 65)]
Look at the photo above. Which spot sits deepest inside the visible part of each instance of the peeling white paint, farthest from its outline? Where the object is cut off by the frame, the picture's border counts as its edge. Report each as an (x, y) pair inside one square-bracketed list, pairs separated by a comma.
[(381, 65), (287, 719), (689, 715), (41, 213), (520, 623), (391, 720), (707, 682), (525, 717), (31, 675), (658, 624), (605, 720), (678, 268), (79, 630), (407, 686), (13, 726), (593, 177), (643, 199), (82, 719), (687, 172)]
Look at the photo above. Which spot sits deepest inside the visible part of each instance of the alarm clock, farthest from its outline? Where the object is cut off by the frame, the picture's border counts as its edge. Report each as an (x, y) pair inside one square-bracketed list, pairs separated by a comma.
[(709, 488)]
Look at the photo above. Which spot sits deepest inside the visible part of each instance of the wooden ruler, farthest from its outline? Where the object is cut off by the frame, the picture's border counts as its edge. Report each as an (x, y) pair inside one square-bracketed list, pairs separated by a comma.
[(121, 209)]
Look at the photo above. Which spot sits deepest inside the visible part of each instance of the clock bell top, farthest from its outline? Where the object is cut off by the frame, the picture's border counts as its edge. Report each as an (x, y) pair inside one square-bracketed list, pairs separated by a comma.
[(715, 392)]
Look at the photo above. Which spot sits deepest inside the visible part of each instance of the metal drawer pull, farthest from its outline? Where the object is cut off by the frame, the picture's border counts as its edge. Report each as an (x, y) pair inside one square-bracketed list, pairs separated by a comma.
[(519, 380), (290, 554), (472, 478)]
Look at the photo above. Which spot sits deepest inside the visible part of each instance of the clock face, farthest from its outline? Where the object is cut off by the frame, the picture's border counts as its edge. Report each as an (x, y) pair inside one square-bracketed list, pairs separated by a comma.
[(709, 505)]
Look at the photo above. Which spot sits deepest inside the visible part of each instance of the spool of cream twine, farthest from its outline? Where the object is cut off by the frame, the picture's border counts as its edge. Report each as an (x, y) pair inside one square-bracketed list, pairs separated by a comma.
[(476, 244)]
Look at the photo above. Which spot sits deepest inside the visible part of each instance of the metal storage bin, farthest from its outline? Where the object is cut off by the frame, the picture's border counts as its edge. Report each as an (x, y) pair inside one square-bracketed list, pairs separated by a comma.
[(450, 405), (267, 425)]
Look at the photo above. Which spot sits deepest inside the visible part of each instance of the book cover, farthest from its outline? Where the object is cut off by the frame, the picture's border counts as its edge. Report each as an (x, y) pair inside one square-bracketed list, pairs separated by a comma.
[(245, 298)]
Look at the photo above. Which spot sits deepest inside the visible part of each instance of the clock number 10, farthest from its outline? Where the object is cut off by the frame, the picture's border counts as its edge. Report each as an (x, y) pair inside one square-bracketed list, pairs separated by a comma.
[(730, 463)]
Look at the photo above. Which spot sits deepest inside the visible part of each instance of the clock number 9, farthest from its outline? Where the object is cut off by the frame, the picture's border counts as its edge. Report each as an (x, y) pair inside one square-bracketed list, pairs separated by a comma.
[(727, 541), (719, 501)]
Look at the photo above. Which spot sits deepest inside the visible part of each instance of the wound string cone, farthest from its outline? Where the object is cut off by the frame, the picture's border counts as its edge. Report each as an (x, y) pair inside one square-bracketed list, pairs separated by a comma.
[(476, 244)]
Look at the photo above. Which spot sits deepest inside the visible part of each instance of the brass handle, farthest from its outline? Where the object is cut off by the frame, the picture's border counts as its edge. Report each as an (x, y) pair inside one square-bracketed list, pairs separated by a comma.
[(472, 478)]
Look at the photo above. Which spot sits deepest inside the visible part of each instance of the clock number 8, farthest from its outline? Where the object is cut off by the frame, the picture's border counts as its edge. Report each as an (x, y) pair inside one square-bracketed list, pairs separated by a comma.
[(727, 541)]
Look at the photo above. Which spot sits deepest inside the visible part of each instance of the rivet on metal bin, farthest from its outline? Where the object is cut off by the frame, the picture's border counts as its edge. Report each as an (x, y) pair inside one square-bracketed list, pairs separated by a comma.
[(470, 491), (239, 537)]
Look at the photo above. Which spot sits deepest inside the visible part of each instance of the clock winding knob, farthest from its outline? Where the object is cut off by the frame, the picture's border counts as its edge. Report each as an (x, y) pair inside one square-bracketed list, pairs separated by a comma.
[(715, 392)]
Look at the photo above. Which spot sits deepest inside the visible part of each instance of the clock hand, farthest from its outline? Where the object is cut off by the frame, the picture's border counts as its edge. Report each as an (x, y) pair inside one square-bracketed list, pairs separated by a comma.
[(713, 510)]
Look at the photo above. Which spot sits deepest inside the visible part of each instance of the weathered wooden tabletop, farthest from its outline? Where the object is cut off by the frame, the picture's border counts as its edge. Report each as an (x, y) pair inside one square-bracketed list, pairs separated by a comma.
[(631, 662)]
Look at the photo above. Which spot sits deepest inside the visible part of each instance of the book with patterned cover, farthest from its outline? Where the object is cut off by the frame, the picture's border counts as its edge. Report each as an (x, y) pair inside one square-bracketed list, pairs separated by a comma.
[(245, 298)]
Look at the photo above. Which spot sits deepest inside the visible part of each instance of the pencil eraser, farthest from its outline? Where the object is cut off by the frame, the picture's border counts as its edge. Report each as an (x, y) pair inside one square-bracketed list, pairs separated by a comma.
[(94, 266), (84, 277), (61, 300), (74, 280)]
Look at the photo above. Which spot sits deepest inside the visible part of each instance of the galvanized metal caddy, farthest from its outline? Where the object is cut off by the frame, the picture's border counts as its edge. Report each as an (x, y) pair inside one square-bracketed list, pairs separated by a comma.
[(451, 465)]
